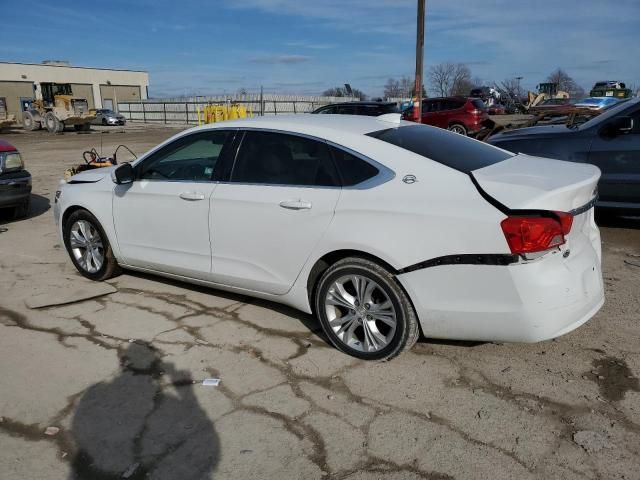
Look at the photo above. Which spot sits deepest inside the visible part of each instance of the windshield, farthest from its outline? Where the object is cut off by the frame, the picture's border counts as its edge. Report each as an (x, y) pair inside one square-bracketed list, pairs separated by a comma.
[(451, 149), (611, 112)]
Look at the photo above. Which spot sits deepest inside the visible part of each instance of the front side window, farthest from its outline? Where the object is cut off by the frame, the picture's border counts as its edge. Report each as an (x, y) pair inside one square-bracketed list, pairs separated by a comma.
[(189, 158), (327, 110), (280, 159)]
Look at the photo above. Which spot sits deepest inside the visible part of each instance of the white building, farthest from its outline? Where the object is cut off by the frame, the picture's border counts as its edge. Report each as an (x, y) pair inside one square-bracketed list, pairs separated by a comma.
[(101, 87)]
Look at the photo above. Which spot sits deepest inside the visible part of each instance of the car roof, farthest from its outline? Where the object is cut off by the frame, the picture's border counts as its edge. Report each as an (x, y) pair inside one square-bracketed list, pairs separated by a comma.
[(316, 125), (359, 102), (6, 146)]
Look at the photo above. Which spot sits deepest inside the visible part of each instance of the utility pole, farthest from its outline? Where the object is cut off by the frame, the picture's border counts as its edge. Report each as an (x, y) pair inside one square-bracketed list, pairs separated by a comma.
[(417, 104)]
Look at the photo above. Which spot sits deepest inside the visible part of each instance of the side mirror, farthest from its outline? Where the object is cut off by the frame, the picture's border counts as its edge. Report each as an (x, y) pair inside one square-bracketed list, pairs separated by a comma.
[(123, 174), (618, 126)]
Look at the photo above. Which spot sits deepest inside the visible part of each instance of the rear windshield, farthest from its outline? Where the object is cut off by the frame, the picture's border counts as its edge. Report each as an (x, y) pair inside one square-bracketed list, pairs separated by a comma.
[(451, 149)]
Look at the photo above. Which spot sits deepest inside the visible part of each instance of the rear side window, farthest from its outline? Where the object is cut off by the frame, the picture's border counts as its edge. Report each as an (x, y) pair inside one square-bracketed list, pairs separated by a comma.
[(353, 170), (478, 104), (455, 104), (346, 110), (450, 149), (280, 159)]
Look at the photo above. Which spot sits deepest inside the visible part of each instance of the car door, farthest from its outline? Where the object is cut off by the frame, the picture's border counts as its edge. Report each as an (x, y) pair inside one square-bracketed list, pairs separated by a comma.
[(618, 157), (162, 218), (267, 218), (429, 112)]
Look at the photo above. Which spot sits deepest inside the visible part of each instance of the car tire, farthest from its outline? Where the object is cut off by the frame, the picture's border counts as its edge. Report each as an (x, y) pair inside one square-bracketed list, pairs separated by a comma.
[(88, 247), (376, 323), (22, 210), (104, 122), (458, 128)]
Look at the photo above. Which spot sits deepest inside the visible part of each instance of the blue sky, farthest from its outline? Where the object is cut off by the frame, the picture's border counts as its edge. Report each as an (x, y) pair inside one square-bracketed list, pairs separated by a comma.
[(297, 46)]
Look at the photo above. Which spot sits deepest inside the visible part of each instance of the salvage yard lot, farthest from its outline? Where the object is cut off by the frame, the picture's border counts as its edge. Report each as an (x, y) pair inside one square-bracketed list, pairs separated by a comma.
[(119, 375)]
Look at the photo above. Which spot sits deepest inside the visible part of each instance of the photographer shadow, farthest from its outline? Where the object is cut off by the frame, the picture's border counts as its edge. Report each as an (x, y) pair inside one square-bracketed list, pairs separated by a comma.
[(145, 423)]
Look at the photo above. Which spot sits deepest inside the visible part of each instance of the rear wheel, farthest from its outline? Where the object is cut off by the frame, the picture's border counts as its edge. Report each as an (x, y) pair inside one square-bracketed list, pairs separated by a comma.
[(364, 311), (89, 247), (458, 128)]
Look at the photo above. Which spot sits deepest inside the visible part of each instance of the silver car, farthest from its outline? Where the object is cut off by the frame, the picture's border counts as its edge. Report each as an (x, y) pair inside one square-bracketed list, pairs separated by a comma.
[(105, 116)]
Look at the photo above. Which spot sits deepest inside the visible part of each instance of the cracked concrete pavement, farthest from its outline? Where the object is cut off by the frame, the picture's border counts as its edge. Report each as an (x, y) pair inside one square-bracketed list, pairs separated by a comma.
[(120, 375)]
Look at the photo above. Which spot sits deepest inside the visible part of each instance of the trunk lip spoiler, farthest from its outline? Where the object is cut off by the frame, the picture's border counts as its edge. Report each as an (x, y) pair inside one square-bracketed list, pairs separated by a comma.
[(508, 211)]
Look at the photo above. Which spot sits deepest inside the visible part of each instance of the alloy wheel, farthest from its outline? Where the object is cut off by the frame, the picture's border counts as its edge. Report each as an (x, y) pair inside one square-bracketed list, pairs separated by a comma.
[(360, 313), (87, 246)]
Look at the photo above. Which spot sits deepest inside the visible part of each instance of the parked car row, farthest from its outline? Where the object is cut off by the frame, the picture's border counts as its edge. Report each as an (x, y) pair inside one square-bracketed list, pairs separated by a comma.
[(610, 141), (459, 114)]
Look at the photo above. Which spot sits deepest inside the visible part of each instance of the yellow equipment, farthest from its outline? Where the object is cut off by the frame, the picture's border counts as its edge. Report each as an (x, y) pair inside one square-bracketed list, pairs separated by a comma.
[(218, 112)]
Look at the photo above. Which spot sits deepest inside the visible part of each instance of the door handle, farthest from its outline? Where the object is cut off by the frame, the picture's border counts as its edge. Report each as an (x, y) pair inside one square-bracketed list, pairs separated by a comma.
[(295, 205), (192, 196)]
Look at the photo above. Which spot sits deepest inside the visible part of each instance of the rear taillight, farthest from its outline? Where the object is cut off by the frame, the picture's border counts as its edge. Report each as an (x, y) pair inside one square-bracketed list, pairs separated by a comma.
[(528, 234), (566, 220), (475, 112)]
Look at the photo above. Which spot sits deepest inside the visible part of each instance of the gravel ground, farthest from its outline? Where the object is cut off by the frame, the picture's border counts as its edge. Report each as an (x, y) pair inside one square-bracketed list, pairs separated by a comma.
[(110, 387)]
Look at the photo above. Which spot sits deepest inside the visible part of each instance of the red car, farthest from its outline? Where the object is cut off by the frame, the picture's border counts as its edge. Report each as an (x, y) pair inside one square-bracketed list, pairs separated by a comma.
[(458, 114)]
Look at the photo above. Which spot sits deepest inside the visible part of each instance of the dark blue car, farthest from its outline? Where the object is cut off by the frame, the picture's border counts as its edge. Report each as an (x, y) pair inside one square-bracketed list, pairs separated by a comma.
[(15, 181), (611, 141)]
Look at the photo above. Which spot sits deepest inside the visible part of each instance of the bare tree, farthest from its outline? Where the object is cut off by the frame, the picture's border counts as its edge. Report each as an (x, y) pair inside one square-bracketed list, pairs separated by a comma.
[(392, 88), (447, 79), (406, 86), (566, 82), (441, 78), (512, 87), (341, 92)]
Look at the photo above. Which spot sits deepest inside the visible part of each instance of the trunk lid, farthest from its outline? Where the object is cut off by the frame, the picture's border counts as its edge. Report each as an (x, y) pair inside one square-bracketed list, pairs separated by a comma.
[(523, 182)]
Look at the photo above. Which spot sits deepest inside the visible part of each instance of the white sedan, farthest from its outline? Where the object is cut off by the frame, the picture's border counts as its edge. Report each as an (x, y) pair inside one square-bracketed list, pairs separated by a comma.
[(383, 229)]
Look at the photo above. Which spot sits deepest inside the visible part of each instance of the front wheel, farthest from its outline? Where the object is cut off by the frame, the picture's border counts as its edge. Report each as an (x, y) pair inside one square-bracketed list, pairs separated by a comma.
[(52, 123), (89, 247), (364, 311)]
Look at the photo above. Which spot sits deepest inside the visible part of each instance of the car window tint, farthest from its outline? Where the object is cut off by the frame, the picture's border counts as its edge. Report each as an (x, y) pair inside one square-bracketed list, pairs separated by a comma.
[(281, 159), (346, 110), (450, 149), (369, 110), (479, 104), (188, 158), (352, 169)]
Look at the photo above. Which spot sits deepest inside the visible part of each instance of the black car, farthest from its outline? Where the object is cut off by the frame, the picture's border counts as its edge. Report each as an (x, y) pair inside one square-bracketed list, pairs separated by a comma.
[(371, 109), (611, 141), (15, 181)]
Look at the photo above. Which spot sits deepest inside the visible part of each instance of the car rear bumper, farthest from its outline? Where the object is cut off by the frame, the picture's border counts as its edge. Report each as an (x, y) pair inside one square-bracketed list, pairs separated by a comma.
[(15, 189), (523, 302)]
